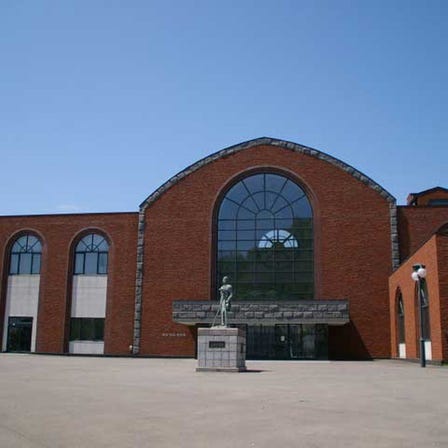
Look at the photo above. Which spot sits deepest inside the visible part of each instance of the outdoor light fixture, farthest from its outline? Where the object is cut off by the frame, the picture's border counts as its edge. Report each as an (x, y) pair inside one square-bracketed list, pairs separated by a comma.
[(418, 274)]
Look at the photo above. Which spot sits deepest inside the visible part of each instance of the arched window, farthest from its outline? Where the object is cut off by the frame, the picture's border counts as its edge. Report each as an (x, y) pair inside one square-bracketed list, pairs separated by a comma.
[(22, 296), (89, 295), (400, 319), (424, 310), (26, 254), (265, 239), (91, 255)]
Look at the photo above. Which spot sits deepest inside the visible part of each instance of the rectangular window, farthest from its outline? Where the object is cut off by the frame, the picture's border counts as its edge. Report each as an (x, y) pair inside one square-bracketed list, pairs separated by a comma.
[(438, 202), (35, 267), (264, 277), (79, 264), (226, 224), (227, 235), (86, 329), (25, 264), (99, 329), (303, 277), (91, 263), (75, 329), (248, 235), (102, 262), (227, 245), (284, 277), (14, 266)]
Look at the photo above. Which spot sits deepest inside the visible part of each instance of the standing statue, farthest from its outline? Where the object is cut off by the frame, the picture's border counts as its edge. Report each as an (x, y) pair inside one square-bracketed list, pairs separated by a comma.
[(225, 296)]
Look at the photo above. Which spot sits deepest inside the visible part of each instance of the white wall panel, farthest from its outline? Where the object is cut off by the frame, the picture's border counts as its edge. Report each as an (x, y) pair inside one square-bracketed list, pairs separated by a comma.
[(22, 300), (402, 350), (428, 350), (89, 296), (86, 347)]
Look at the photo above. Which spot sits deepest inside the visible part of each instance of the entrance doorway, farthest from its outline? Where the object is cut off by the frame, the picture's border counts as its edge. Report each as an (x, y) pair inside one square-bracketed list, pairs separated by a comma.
[(287, 342), (19, 334)]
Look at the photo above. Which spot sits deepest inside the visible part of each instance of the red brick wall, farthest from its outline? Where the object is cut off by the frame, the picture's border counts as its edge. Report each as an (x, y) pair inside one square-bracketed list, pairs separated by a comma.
[(352, 250), (442, 257), (401, 278), (57, 233), (417, 224)]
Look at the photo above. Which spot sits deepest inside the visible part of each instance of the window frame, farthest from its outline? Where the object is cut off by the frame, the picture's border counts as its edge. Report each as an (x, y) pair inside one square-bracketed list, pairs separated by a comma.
[(299, 239), (91, 250), (80, 326), (23, 258)]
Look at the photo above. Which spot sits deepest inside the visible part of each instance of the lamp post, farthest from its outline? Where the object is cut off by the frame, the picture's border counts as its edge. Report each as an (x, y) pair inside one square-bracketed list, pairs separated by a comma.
[(418, 274)]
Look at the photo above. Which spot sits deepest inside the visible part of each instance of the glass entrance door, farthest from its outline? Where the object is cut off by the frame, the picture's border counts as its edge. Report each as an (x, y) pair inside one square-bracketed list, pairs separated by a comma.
[(287, 342), (19, 334)]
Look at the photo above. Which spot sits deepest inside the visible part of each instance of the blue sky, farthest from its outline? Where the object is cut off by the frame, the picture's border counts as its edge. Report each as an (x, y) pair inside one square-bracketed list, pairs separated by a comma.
[(103, 101)]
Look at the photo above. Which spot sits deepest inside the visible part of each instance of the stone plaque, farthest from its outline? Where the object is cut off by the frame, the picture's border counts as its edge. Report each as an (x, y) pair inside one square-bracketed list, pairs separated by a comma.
[(217, 344)]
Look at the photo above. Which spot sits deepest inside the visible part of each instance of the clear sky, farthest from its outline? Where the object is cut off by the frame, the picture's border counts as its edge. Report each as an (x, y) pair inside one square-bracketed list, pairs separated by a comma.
[(103, 101)]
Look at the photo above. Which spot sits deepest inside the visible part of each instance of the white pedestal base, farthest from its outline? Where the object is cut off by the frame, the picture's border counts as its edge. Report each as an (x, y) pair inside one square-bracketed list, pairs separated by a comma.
[(221, 349)]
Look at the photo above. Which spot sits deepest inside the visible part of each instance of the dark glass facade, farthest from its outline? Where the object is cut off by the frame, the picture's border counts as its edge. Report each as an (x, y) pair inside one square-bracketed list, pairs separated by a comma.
[(285, 342), (86, 329)]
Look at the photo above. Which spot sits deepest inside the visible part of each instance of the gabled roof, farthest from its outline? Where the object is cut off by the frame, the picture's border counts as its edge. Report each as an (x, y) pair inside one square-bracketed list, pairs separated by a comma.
[(289, 146), (429, 190), (413, 196)]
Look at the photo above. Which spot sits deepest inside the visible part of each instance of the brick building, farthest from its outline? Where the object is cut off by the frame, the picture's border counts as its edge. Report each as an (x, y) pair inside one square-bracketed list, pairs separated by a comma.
[(319, 256)]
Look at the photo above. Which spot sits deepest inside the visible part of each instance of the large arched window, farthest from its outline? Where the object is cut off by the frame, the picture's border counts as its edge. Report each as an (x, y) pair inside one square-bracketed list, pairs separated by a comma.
[(265, 239), (26, 254), (91, 255)]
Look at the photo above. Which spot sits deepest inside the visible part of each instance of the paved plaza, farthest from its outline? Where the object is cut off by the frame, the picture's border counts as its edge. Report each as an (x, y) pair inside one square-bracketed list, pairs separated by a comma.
[(67, 401)]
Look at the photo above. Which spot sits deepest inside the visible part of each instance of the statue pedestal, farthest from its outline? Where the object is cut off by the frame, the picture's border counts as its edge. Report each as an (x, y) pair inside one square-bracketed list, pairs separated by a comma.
[(221, 349)]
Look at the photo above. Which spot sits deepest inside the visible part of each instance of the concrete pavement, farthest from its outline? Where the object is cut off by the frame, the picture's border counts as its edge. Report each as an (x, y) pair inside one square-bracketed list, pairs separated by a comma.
[(67, 401)]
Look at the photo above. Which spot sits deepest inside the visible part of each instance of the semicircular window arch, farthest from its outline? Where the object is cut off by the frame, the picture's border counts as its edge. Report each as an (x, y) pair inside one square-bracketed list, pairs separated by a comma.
[(92, 255), (265, 239), (277, 238), (26, 254)]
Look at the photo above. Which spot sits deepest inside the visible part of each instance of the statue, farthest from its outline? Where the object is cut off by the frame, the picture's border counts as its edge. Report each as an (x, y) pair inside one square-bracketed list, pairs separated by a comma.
[(225, 296)]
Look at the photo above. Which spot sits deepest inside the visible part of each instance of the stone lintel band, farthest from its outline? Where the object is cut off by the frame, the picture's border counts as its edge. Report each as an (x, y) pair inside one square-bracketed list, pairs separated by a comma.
[(331, 312)]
